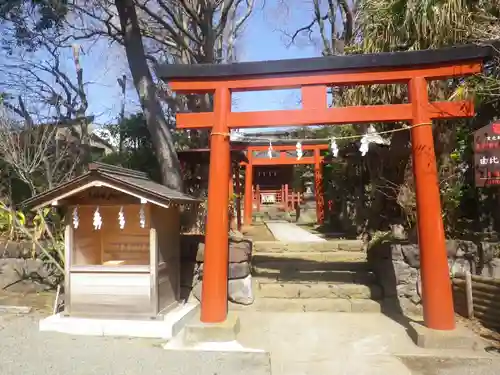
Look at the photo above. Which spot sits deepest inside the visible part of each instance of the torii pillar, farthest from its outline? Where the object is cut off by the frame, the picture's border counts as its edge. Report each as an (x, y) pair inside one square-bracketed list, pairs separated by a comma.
[(318, 188), (436, 285), (248, 204), (214, 286)]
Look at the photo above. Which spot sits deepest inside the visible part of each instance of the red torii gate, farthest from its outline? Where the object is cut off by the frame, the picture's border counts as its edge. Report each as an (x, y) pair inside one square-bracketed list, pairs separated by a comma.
[(313, 76), (283, 159)]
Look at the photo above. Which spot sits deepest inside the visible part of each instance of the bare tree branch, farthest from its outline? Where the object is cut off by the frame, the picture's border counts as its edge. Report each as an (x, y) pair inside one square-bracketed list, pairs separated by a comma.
[(41, 156)]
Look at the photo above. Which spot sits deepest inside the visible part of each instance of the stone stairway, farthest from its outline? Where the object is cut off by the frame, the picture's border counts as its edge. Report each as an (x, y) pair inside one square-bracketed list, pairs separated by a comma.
[(313, 276), (270, 213)]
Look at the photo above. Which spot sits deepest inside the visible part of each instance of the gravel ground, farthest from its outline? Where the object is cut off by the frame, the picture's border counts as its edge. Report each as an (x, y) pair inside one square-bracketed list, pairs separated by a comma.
[(26, 351)]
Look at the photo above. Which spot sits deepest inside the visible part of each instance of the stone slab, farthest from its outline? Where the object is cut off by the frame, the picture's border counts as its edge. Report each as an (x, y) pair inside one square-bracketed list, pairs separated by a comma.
[(196, 331), (318, 290), (272, 276), (319, 257), (315, 246), (459, 338), (365, 306), (289, 232), (296, 305)]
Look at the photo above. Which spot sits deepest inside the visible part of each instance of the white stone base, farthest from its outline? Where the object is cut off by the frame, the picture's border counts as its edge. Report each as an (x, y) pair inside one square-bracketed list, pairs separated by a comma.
[(164, 329)]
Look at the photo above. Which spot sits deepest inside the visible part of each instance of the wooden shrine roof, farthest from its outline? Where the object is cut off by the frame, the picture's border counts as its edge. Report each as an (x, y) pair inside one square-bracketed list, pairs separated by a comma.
[(405, 59), (128, 181)]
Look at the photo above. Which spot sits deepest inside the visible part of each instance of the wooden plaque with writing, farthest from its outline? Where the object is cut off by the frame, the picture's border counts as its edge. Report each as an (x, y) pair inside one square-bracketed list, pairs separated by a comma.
[(487, 155)]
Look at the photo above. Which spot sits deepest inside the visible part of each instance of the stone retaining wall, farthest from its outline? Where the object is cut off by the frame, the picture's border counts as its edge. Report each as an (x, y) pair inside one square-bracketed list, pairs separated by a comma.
[(19, 249), (396, 265), (20, 273), (239, 271), (23, 275)]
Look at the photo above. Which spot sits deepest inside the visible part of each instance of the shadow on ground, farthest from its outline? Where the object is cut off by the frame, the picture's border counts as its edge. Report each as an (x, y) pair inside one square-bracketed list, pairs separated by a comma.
[(325, 231)]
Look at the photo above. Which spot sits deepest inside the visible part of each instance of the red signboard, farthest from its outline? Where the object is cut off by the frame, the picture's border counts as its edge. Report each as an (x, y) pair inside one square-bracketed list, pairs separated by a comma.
[(487, 155)]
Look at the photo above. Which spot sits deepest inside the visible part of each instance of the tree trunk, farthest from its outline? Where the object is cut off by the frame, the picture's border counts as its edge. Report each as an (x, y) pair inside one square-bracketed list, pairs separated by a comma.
[(394, 167), (146, 88)]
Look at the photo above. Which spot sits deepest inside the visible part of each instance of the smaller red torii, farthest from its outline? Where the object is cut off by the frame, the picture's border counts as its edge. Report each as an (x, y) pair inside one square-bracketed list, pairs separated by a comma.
[(283, 159)]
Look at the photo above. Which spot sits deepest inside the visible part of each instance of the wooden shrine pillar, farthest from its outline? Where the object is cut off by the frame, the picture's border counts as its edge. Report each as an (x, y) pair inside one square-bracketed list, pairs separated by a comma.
[(285, 198), (215, 267), (257, 198), (318, 187), (248, 204), (237, 183), (436, 284)]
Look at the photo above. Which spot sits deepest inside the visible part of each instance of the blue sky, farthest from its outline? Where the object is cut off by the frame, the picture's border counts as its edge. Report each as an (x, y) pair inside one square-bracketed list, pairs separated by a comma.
[(263, 39)]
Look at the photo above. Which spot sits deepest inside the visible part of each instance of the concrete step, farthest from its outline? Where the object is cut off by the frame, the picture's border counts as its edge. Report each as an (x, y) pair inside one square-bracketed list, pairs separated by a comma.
[(286, 290), (305, 269), (317, 246), (311, 305), (291, 263), (269, 276), (312, 256)]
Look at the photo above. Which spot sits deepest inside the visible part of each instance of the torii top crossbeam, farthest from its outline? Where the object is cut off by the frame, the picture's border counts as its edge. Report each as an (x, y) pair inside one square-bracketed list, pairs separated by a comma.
[(313, 76)]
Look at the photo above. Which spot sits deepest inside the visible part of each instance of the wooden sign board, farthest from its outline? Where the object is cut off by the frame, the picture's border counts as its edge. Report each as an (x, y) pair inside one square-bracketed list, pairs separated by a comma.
[(487, 155)]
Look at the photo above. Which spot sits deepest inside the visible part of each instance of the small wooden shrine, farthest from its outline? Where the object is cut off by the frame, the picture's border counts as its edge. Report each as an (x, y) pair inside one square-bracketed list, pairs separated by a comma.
[(122, 252)]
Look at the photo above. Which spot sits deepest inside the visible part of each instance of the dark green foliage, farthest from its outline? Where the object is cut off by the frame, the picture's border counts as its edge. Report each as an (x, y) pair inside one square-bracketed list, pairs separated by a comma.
[(137, 151)]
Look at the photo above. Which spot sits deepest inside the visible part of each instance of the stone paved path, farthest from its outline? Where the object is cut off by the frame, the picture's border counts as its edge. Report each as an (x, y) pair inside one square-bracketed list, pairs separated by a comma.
[(288, 232), (320, 343)]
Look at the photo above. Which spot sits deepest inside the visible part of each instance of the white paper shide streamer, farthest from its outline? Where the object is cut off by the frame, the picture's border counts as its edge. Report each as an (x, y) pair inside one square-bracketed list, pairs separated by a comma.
[(142, 217), (121, 218), (76, 219), (334, 147), (365, 145), (371, 136), (97, 220), (298, 147)]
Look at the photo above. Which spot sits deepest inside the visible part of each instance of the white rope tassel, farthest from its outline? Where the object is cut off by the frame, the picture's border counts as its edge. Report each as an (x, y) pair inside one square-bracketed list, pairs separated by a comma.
[(97, 220), (298, 146), (334, 147)]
